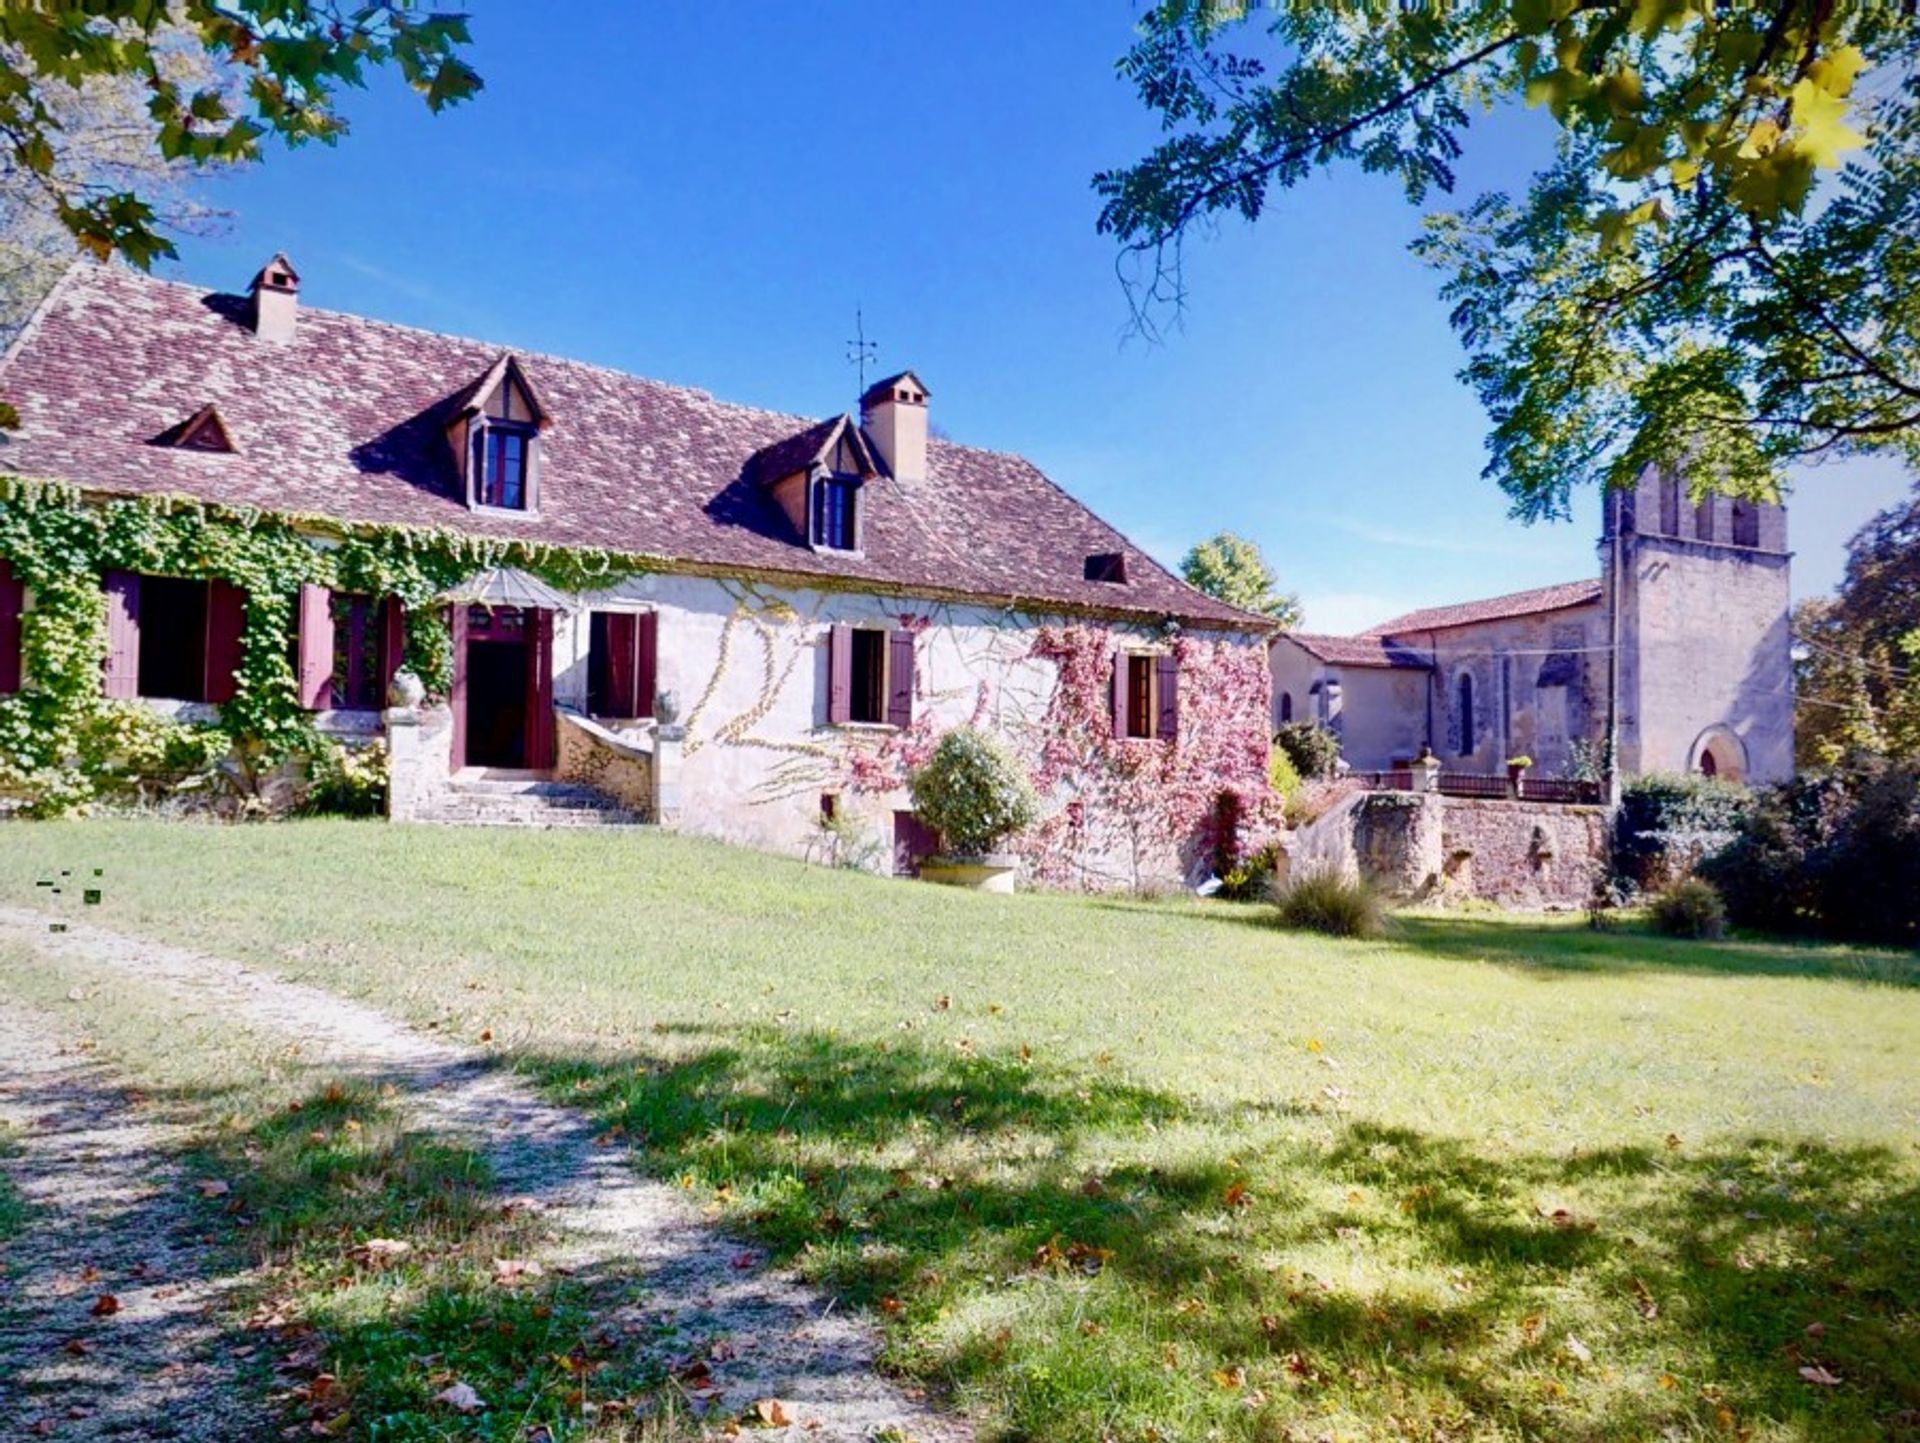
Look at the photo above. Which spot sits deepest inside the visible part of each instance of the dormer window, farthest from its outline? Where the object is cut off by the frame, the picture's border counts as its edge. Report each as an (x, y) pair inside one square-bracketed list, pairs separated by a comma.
[(495, 436), (836, 505)]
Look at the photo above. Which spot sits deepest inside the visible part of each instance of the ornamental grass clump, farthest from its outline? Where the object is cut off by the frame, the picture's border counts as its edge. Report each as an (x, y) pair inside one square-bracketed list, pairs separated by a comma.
[(974, 792), (1330, 903)]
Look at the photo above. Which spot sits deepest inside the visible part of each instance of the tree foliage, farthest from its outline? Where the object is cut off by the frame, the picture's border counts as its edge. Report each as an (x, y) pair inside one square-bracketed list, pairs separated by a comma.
[(277, 67), (1858, 672), (1693, 280), (1230, 568)]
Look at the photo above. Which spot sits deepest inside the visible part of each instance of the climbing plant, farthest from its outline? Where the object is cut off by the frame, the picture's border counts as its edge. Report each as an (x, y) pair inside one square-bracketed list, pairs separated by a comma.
[(62, 743)]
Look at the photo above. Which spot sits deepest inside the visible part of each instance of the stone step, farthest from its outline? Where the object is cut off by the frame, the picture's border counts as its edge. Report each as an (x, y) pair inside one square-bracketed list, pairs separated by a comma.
[(525, 801)]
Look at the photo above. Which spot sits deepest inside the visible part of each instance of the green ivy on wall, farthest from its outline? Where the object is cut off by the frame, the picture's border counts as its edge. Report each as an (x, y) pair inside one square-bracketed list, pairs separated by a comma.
[(62, 743)]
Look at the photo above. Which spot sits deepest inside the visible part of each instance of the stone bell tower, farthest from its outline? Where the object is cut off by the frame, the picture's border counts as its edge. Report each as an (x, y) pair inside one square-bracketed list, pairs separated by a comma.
[(1699, 605)]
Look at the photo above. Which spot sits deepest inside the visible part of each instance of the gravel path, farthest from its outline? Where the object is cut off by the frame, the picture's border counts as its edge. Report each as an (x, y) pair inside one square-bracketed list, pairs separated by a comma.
[(111, 1304), (764, 1334)]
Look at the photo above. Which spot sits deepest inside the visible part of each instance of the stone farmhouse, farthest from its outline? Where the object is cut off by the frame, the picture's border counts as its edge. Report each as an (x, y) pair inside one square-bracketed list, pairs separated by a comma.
[(1679, 653), (628, 600)]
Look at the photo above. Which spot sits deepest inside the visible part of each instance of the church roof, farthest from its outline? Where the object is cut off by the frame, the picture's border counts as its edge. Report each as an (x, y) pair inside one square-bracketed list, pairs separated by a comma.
[(1494, 608), (347, 420), (1356, 650)]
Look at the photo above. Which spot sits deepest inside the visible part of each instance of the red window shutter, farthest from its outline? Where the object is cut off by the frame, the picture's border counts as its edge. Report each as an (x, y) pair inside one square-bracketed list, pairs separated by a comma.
[(900, 679), (226, 621), (457, 699), (393, 642), (313, 669), (840, 674), (121, 675), (1120, 695), (13, 596), (540, 726), (646, 663), (1167, 683), (623, 648)]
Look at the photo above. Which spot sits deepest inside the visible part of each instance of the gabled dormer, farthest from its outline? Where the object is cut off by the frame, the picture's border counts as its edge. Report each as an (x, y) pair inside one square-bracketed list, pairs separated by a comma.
[(204, 430), (495, 431), (819, 478)]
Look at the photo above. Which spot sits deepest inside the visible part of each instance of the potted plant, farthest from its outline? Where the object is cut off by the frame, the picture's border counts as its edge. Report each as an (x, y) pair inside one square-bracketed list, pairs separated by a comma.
[(1517, 771), (974, 793)]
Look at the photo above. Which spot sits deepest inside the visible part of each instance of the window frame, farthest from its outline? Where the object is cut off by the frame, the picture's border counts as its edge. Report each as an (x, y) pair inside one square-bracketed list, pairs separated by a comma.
[(879, 641), (359, 641), (487, 435), (820, 514), (1143, 698)]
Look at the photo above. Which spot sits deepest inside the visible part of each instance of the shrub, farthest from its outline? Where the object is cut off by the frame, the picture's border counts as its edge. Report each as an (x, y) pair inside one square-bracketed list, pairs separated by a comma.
[(1666, 825), (347, 781), (1312, 748), (1330, 903), (973, 791), (1282, 775), (1836, 854), (1691, 908), (1251, 879)]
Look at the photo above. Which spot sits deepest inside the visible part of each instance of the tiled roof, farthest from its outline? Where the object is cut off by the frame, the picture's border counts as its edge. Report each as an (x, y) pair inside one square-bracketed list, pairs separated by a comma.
[(1356, 650), (1495, 608), (347, 421)]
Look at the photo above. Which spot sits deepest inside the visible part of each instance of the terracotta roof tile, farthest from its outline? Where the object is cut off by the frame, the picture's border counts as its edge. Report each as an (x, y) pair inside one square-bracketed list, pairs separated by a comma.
[(1356, 650), (346, 420), (1495, 608)]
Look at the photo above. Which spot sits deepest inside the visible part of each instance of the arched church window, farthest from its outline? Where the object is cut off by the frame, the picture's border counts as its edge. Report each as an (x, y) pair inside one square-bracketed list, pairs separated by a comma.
[(1465, 709)]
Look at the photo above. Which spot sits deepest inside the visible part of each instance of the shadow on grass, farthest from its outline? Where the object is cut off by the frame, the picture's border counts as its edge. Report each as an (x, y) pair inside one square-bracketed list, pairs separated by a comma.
[(1082, 1258)]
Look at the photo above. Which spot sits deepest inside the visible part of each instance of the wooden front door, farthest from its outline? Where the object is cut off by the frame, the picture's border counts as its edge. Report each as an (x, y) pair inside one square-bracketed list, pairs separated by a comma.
[(503, 687)]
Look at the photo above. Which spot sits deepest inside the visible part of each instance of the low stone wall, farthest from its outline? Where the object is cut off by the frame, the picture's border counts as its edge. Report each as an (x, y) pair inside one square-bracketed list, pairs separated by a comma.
[(1416, 847), (620, 767), (1521, 854)]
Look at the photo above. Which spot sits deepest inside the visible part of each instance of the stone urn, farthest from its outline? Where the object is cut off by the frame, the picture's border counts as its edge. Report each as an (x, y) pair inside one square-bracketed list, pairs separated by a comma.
[(406, 693), (992, 872)]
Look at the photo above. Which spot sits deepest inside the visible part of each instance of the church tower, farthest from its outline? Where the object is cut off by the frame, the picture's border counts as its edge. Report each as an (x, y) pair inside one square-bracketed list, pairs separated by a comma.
[(1699, 605)]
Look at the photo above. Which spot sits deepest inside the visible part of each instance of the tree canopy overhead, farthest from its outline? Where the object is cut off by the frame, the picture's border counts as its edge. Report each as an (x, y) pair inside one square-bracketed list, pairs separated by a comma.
[(280, 65), (1715, 270)]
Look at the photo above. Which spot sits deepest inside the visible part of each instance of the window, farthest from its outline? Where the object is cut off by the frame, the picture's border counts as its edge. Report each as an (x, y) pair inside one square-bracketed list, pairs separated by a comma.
[(868, 695), (1703, 520), (501, 452), (1465, 708), (620, 664), (835, 524), (1286, 707), (1746, 524), (356, 683), (1140, 696), (870, 675), (13, 601), (171, 638), (1670, 506), (1107, 566)]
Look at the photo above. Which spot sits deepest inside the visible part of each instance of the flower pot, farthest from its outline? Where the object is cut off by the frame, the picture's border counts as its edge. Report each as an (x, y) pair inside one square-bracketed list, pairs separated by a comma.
[(996, 872)]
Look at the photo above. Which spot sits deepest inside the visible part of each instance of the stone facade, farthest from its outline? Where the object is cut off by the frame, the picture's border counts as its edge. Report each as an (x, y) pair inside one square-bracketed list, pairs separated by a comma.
[(1426, 847), (1693, 601)]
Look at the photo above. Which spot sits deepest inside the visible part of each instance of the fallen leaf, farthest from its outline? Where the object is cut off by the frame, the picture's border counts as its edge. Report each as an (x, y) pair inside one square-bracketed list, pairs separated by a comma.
[(1237, 1196), (1579, 1349), (772, 1412), (512, 1270), (77, 1347), (1230, 1377), (215, 1187), (486, 1034), (1815, 1373), (461, 1398), (381, 1250), (105, 1306)]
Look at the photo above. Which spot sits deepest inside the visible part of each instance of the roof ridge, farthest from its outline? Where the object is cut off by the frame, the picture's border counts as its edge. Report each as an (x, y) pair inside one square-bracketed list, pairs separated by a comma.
[(1406, 619)]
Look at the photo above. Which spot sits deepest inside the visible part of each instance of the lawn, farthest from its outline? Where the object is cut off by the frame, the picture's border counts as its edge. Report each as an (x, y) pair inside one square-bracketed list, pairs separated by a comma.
[(1130, 1171)]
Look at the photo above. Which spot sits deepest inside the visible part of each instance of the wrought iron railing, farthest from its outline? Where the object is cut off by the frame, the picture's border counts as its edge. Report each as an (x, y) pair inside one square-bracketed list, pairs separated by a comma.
[(1562, 791)]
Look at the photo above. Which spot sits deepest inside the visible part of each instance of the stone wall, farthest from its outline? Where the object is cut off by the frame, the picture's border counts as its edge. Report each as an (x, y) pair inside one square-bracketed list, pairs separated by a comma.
[(1525, 855), (619, 766)]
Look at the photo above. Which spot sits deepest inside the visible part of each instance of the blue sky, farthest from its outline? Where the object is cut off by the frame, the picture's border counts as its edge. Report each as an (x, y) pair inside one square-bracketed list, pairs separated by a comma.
[(704, 194)]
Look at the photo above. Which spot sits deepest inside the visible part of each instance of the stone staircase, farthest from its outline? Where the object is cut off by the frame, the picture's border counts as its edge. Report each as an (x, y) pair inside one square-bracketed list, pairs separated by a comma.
[(524, 800)]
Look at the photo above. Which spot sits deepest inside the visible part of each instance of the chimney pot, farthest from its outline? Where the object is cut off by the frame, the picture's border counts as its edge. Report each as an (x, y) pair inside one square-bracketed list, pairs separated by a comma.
[(276, 300), (894, 414)]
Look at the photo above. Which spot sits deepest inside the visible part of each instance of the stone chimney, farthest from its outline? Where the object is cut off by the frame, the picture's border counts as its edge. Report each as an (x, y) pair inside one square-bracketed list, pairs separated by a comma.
[(894, 415), (276, 300)]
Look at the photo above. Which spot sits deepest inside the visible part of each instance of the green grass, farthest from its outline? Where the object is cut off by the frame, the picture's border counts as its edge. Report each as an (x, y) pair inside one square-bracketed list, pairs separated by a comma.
[(354, 1342), (1120, 1170)]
